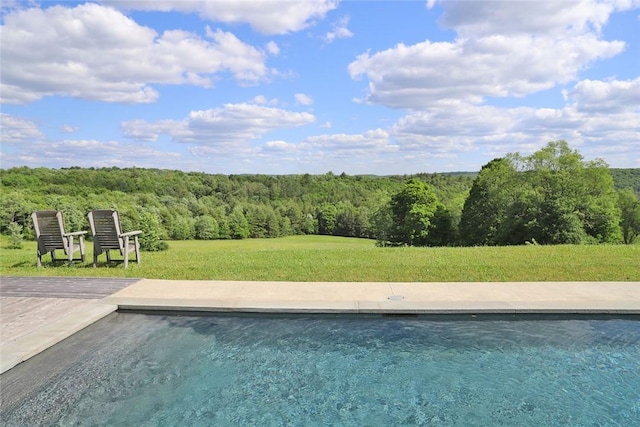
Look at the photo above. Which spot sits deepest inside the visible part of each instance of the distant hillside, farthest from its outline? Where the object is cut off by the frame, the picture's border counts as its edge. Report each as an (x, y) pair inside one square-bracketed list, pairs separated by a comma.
[(196, 205), (626, 178)]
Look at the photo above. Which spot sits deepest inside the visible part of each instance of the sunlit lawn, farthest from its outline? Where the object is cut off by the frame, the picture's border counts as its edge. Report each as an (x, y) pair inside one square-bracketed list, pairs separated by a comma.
[(324, 258)]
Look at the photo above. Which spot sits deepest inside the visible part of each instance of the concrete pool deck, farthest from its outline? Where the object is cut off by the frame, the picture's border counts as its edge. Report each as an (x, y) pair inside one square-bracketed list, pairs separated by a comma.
[(58, 319)]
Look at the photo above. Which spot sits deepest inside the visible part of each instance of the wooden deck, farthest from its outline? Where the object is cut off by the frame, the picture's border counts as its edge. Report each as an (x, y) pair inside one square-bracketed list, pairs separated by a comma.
[(29, 303), (62, 287)]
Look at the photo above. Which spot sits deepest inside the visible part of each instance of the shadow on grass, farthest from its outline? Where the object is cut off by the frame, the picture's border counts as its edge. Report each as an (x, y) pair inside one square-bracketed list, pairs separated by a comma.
[(112, 264), (65, 264), (55, 264), (23, 264)]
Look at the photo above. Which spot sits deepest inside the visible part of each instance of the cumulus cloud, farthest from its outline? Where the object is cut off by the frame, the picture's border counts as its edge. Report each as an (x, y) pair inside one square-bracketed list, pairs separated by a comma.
[(232, 123), (262, 100), (142, 130), (273, 48), (303, 99), (486, 59), (88, 153), (472, 69), (226, 156), (339, 31), (16, 130), (95, 52), (344, 145), (264, 16), (597, 115), (280, 146), (69, 129), (452, 118), (546, 18), (355, 152), (606, 96), (359, 150)]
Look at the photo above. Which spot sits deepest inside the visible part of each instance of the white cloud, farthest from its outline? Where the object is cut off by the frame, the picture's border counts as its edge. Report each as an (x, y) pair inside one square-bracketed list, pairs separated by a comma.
[(273, 48), (452, 118), (265, 16), (357, 149), (89, 153), (607, 97), (9, 5), (339, 31), (225, 155), (95, 52), (236, 123), (490, 57), (17, 130), (545, 18), (142, 130), (262, 100), (279, 146), (598, 115), (69, 129), (365, 143), (303, 99), (471, 69)]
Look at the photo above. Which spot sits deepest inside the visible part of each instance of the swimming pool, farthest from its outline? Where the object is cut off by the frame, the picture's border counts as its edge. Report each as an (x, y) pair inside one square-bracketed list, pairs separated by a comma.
[(154, 370)]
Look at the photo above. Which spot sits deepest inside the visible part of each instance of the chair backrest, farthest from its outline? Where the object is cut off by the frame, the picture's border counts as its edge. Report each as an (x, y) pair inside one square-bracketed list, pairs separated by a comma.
[(105, 227), (50, 232)]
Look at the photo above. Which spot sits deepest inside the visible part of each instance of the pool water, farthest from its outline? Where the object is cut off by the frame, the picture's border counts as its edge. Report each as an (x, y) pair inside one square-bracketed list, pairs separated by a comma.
[(265, 370)]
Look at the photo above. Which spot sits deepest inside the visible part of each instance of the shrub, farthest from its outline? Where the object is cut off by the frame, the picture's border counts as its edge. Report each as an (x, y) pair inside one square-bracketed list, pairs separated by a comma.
[(151, 232), (15, 236)]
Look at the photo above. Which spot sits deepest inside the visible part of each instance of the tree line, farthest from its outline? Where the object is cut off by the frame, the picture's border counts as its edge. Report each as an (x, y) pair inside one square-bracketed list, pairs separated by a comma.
[(552, 196)]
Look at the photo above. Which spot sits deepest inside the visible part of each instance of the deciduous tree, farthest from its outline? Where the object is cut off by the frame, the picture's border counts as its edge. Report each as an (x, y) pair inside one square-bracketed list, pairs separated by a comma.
[(629, 205), (552, 197), (412, 212)]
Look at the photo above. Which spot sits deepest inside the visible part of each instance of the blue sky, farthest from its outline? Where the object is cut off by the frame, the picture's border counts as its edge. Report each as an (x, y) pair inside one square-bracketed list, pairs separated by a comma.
[(281, 87)]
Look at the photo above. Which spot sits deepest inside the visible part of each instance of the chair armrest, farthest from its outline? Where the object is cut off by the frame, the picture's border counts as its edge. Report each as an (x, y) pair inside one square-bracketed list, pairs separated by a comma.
[(75, 233), (131, 233)]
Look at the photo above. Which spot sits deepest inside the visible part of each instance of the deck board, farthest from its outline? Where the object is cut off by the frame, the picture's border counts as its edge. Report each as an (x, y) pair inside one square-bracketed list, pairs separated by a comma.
[(21, 316), (30, 303), (62, 287)]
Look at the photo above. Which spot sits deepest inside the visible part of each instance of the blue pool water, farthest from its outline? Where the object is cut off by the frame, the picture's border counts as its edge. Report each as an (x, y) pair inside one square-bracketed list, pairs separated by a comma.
[(156, 370)]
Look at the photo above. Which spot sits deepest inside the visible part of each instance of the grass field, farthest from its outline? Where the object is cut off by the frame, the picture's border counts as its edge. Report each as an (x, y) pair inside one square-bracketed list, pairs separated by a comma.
[(325, 258)]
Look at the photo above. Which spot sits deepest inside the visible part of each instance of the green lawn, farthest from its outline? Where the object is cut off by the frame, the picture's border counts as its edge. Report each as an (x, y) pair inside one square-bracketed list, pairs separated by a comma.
[(324, 258)]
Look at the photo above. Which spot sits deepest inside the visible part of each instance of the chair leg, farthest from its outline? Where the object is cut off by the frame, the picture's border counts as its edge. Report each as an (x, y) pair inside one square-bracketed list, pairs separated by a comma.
[(70, 251), (39, 259), (137, 246), (126, 251), (82, 257)]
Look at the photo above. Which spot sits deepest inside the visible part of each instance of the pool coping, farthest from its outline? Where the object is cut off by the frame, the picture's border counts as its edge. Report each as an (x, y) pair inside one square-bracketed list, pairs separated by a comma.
[(332, 298), (380, 297)]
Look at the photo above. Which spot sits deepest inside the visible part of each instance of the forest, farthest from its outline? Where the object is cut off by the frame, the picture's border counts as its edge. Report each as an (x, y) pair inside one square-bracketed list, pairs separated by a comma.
[(553, 196)]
